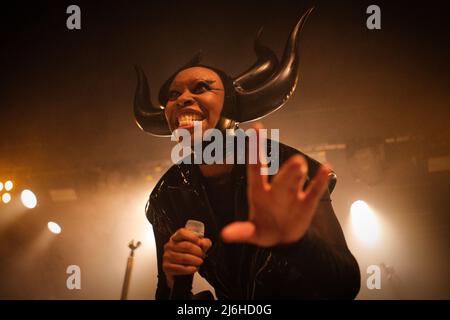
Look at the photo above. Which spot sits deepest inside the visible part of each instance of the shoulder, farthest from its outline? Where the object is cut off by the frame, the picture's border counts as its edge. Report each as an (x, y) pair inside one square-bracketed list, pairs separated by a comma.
[(285, 152), (172, 177), (159, 201)]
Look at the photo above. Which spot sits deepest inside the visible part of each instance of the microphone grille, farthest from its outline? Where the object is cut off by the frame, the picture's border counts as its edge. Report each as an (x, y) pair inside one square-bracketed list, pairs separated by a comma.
[(196, 226)]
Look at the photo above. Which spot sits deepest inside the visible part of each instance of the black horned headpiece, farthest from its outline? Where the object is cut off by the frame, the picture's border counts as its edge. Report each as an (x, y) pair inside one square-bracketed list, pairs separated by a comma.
[(263, 88)]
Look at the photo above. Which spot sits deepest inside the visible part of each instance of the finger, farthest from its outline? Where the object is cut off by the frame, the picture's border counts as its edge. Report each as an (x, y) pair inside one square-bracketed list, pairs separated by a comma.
[(178, 270), (317, 187), (185, 247), (256, 181), (184, 234), (182, 258), (239, 232), (291, 177), (205, 244)]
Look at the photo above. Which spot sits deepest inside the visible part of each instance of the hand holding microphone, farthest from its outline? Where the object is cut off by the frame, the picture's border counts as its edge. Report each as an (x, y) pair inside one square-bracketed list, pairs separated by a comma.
[(184, 253)]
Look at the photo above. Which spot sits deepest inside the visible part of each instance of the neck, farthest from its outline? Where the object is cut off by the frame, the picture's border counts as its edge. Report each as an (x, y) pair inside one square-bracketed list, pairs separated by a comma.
[(215, 170)]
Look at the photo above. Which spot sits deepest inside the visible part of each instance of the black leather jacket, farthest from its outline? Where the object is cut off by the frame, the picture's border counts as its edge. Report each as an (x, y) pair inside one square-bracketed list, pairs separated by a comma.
[(319, 266)]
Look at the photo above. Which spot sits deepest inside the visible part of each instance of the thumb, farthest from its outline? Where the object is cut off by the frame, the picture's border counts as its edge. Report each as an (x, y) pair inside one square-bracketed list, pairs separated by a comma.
[(238, 232)]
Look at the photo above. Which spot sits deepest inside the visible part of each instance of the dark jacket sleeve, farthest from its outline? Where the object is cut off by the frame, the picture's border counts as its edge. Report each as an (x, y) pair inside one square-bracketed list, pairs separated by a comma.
[(321, 260), (161, 231)]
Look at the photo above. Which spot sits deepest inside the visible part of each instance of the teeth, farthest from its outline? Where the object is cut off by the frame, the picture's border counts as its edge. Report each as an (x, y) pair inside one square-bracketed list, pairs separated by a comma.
[(188, 119)]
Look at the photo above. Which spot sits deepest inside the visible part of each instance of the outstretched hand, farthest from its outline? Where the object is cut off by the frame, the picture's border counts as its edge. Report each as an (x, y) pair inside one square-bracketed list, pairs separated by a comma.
[(280, 212)]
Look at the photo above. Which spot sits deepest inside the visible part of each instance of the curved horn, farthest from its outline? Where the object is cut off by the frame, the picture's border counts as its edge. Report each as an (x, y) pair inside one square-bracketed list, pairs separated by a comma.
[(273, 94), (264, 67), (148, 117)]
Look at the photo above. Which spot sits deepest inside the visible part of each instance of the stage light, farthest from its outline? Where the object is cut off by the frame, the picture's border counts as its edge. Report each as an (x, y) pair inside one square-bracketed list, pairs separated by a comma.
[(365, 223), (54, 227), (1, 186), (8, 185), (6, 197), (29, 200)]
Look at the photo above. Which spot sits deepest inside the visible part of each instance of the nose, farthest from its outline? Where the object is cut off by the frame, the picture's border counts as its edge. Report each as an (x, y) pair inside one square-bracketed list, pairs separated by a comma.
[(185, 99)]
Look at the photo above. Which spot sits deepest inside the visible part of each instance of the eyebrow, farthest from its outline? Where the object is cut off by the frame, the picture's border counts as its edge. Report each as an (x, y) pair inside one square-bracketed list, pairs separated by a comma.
[(208, 81)]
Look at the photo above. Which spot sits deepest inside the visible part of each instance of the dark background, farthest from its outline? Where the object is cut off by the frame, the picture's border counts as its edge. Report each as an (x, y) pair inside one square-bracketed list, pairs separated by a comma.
[(66, 122)]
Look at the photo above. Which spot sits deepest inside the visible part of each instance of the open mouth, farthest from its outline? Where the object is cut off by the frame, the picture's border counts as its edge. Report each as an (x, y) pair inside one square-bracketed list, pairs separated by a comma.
[(188, 119)]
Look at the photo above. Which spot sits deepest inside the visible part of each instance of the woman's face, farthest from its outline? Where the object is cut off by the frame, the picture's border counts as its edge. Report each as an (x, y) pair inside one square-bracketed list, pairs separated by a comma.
[(196, 94)]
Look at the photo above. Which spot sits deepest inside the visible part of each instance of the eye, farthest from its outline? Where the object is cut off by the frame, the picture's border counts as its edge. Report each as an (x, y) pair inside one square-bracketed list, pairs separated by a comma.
[(201, 87), (173, 94)]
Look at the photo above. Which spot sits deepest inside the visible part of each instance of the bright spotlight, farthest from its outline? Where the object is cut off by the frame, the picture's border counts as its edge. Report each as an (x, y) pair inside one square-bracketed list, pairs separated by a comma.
[(6, 197), (1, 186), (54, 227), (365, 223), (29, 200), (8, 185)]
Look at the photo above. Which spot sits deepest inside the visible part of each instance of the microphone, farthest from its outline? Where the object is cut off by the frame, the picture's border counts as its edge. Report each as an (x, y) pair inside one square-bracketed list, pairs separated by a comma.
[(182, 285)]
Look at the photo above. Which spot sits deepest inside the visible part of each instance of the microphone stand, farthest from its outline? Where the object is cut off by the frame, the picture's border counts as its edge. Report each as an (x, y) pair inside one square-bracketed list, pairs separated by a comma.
[(126, 280)]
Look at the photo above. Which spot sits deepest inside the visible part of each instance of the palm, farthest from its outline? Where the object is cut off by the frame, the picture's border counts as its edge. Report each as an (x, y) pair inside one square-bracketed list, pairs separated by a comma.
[(280, 212)]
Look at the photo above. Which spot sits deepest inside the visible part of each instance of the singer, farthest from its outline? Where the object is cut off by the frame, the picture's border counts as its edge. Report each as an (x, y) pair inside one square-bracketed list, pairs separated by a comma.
[(272, 236)]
